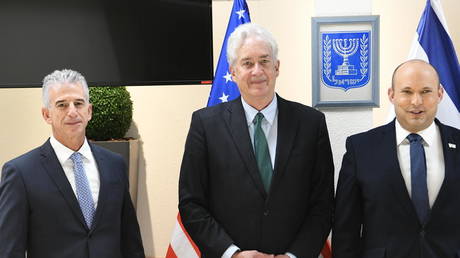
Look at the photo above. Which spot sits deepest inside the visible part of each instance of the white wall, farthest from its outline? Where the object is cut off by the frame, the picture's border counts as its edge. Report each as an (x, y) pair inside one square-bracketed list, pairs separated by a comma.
[(355, 119)]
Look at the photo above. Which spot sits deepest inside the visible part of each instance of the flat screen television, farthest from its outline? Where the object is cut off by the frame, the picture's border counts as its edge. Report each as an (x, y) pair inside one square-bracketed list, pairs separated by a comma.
[(111, 42)]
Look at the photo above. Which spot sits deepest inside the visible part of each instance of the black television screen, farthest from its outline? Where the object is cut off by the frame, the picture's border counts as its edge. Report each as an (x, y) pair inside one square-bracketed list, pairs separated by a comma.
[(111, 42)]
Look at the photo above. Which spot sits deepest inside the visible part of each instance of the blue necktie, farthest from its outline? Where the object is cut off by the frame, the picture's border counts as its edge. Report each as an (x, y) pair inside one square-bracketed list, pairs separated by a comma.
[(418, 177), (262, 153), (85, 199)]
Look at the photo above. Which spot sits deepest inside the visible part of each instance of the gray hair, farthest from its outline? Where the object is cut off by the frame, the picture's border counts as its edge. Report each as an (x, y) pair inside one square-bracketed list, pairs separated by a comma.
[(249, 30), (63, 76)]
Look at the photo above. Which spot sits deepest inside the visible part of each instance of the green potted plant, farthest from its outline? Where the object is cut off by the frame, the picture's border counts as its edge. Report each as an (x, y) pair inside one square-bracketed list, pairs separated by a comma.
[(112, 113), (112, 117)]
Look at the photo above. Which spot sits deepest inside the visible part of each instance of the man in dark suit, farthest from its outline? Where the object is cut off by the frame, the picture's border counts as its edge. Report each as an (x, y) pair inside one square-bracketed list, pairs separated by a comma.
[(257, 173), (398, 189), (67, 198)]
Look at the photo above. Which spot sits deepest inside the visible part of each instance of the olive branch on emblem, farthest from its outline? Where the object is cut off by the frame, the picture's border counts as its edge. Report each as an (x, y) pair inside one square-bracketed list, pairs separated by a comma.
[(327, 57), (364, 55)]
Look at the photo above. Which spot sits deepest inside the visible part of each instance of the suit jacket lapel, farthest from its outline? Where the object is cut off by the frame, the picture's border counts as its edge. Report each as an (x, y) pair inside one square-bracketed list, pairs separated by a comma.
[(54, 169), (235, 119), (450, 158), (391, 166), (103, 178), (287, 131)]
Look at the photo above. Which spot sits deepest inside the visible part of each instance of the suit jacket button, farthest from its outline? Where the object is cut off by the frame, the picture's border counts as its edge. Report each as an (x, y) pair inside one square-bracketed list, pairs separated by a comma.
[(422, 233), (266, 213)]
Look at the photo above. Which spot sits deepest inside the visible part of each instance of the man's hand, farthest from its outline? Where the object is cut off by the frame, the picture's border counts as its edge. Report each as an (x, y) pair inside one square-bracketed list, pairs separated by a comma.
[(281, 256), (252, 254)]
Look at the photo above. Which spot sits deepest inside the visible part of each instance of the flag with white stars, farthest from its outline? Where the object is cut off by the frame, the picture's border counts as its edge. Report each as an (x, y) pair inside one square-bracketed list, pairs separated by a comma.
[(223, 88)]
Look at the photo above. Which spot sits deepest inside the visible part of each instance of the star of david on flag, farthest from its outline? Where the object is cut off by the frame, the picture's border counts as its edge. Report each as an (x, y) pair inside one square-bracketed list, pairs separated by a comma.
[(223, 88)]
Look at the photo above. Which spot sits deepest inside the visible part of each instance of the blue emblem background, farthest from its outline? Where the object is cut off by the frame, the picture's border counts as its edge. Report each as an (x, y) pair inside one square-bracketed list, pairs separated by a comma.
[(356, 73)]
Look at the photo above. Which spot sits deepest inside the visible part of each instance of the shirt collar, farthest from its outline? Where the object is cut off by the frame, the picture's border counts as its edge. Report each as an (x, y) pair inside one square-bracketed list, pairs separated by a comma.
[(63, 153), (428, 134), (269, 111)]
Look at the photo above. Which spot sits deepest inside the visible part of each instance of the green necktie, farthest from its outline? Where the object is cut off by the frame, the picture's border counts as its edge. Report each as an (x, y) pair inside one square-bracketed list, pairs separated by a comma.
[(261, 151)]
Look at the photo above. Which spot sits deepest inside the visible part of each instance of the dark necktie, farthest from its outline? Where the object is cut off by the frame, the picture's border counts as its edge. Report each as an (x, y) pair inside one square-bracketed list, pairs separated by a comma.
[(418, 177), (85, 199), (264, 162)]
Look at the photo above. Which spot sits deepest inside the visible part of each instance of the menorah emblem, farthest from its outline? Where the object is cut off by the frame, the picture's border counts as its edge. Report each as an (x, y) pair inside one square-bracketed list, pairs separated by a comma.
[(345, 59), (345, 48)]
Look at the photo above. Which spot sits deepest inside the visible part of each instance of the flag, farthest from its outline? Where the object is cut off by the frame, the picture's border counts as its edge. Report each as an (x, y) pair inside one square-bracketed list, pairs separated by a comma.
[(182, 245), (326, 252), (432, 44), (223, 90)]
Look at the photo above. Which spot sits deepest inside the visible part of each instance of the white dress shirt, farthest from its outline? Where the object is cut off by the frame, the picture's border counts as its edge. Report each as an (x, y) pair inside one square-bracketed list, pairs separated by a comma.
[(434, 155), (89, 163), (269, 124), (270, 128)]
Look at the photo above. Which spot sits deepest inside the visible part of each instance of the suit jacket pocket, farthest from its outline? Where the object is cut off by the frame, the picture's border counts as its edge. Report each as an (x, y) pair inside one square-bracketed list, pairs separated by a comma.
[(374, 253)]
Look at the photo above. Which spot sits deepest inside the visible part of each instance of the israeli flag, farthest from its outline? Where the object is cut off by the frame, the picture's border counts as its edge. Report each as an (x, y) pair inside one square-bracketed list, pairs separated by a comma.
[(223, 88), (432, 43)]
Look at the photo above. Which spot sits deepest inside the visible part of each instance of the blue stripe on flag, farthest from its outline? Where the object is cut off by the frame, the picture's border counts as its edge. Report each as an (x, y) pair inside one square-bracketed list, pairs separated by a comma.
[(223, 88), (440, 51)]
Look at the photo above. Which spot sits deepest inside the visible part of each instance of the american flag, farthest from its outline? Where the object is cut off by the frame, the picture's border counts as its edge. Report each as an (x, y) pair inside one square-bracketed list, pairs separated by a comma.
[(223, 90)]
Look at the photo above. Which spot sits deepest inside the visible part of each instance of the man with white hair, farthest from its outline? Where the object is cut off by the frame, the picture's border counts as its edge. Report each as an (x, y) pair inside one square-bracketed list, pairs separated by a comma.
[(257, 172), (67, 198)]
